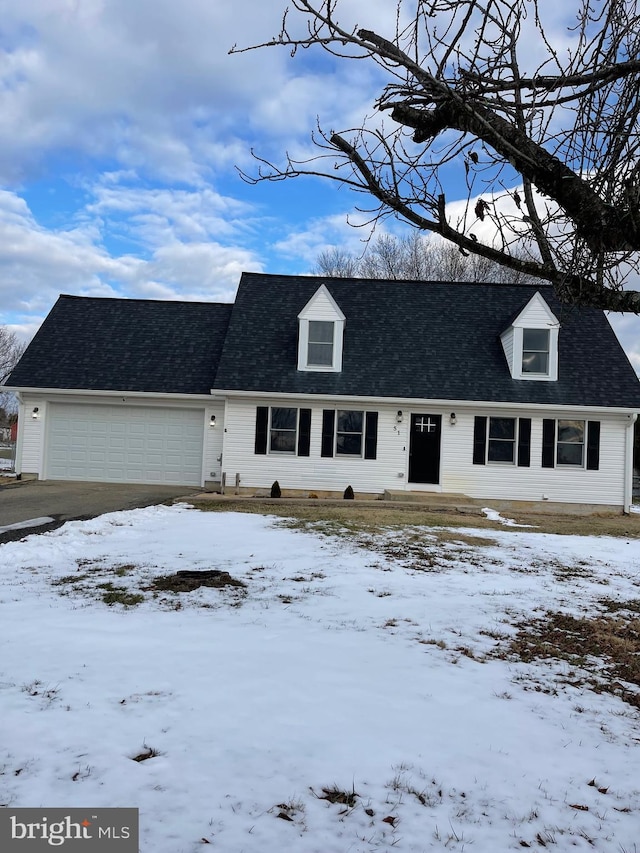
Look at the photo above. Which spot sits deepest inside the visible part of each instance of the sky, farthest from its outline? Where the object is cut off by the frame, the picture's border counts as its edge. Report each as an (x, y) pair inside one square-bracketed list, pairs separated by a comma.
[(122, 129), (376, 665)]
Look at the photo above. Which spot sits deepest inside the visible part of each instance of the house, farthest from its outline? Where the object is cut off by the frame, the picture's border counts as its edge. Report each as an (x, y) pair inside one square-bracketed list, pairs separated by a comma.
[(492, 391)]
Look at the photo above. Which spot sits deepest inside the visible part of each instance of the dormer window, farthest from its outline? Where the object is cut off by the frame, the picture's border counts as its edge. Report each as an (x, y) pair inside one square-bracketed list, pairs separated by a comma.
[(530, 343), (320, 345), (320, 333), (535, 351)]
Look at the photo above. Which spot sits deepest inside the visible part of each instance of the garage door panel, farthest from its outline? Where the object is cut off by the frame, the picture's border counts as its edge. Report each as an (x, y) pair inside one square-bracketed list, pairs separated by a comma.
[(140, 444)]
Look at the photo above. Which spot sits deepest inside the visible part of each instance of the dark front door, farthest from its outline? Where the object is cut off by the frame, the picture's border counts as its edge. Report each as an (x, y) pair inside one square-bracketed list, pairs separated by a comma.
[(424, 449)]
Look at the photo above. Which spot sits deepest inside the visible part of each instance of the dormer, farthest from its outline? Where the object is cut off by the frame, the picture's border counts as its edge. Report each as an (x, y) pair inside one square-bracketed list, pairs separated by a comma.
[(320, 333), (530, 343)]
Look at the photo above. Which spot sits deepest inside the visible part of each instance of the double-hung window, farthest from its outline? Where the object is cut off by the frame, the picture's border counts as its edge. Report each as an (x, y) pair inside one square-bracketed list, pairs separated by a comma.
[(320, 344), (535, 351), (348, 432), (283, 429), (501, 446), (570, 443), (502, 441), (349, 428)]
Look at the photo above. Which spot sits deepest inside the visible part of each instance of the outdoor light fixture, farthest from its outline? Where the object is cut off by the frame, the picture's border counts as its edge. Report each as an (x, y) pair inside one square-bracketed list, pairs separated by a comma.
[(399, 416), (212, 421), (35, 414), (452, 418)]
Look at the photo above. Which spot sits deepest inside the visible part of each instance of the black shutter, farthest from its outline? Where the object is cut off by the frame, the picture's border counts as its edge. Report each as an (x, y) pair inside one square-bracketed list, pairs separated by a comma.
[(371, 435), (548, 442), (304, 432), (328, 424), (593, 445), (479, 440), (524, 442), (262, 424)]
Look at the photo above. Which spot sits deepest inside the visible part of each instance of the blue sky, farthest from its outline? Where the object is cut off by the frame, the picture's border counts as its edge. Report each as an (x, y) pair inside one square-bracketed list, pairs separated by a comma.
[(123, 122)]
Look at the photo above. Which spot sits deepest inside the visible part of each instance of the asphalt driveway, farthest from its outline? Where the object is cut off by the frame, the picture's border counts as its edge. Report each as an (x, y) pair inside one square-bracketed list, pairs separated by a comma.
[(43, 505)]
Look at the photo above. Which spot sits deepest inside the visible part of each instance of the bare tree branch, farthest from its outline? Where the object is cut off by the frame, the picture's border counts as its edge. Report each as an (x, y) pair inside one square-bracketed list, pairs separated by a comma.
[(566, 136)]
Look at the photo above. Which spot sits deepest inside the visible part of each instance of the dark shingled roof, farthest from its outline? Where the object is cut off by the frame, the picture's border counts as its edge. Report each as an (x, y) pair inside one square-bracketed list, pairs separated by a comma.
[(125, 345), (431, 340)]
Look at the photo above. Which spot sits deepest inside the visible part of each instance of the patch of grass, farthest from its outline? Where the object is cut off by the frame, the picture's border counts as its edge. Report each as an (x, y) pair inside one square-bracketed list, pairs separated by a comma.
[(345, 520), (121, 571), (606, 649), (70, 579), (119, 595)]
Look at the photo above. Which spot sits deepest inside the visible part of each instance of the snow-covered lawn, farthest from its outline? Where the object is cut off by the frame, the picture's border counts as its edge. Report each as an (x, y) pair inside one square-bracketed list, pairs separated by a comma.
[(337, 669)]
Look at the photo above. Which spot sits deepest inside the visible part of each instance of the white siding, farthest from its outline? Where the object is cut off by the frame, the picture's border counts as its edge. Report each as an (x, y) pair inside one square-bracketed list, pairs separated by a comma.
[(509, 482), (321, 306), (536, 314), (31, 449), (313, 472), (507, 346), (213, 440), (457, 471)]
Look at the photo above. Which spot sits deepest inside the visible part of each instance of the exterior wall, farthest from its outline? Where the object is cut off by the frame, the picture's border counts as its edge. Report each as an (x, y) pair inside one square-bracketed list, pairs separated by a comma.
[(213, 440), (535, 483), (507, 346), (458, 473), (312, 473), (31, 436), (537, 313)]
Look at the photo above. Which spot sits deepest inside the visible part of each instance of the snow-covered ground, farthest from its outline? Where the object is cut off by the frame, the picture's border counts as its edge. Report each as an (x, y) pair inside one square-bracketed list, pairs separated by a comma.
[(337, 668)]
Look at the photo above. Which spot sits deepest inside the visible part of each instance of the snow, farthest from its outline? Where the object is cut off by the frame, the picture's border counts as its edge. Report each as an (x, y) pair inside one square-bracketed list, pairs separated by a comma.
[(341, 664), (6, 464), (494, 515), (31, 522)]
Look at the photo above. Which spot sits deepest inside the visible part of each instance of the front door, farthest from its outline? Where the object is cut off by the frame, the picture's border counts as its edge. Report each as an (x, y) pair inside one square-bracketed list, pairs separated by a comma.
[(424, 449)]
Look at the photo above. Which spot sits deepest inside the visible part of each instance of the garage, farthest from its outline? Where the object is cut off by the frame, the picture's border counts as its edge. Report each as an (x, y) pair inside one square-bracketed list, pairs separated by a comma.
[(124, 444)]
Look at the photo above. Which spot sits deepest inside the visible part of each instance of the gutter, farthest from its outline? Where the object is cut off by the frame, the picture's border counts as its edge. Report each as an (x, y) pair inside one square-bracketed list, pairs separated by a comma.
[(476, 406), (628, 468)]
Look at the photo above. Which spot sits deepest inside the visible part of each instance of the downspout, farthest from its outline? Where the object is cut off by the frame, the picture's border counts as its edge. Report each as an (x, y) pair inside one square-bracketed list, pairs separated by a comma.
[(628, 468), (17, 463)]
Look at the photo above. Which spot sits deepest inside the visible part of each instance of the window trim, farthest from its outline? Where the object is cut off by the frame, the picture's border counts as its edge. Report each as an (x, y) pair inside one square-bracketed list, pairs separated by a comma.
[(575, 466), (328, 344), (270, 430), (339, 432), (546, 351), (518, 352), (513, 441), (303, 346)]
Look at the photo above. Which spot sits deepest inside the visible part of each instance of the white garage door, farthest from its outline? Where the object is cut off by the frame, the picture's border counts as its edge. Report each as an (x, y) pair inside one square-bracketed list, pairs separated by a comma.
[(125, 444)]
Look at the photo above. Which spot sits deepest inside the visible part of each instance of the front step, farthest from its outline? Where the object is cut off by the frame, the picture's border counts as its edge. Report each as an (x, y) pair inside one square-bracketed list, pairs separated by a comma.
[(435, 501)]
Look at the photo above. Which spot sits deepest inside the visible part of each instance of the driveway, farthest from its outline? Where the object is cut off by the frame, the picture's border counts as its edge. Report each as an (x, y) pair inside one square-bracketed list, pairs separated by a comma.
[(43, 505)]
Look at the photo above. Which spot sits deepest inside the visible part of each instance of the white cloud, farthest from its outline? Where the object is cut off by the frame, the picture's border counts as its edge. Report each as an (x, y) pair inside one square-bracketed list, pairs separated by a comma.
[(181, 259)]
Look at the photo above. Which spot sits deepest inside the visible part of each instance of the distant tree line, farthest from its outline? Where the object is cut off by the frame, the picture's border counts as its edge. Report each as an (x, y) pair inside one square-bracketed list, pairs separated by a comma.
[(415, 257)]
